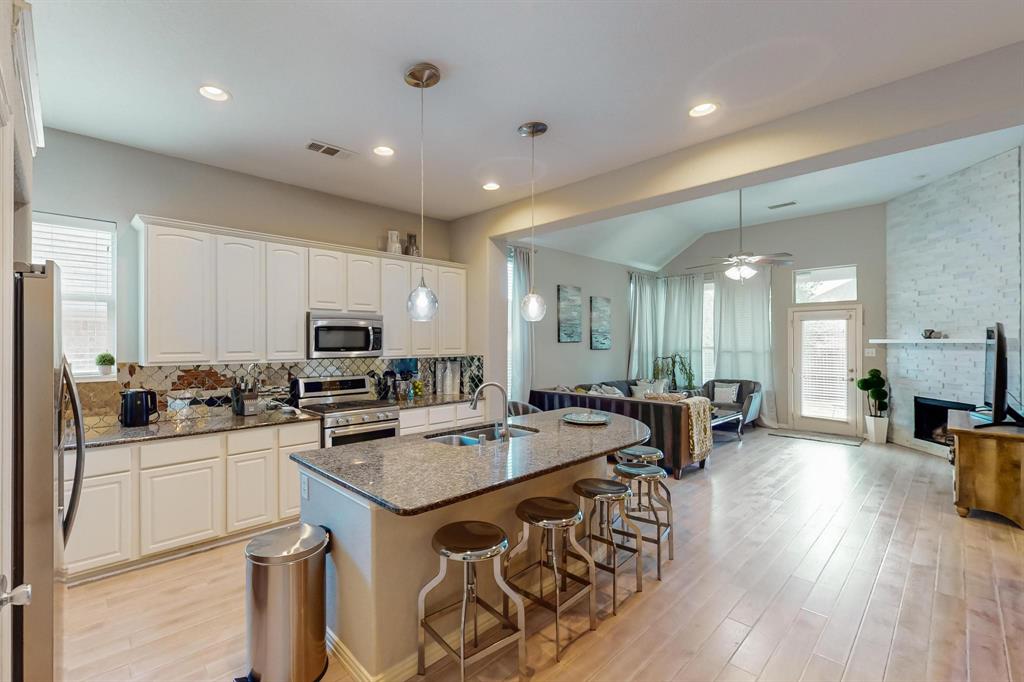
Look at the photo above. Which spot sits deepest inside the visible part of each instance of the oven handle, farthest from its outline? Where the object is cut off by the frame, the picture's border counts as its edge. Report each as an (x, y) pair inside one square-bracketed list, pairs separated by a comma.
[(359, 428)]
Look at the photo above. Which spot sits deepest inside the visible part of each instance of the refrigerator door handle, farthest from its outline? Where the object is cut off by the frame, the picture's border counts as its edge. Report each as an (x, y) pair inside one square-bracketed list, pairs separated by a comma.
[(76, 487)]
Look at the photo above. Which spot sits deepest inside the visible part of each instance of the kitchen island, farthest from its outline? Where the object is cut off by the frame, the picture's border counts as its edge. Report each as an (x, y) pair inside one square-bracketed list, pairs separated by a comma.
[(383, 499)]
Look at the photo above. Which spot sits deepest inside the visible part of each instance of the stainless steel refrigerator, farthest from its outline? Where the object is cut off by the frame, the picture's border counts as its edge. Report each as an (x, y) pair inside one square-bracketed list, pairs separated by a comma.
[(45, 402)]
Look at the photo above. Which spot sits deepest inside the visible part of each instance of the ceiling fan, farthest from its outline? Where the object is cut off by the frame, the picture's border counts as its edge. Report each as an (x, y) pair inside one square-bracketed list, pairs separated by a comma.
[(740, 266)]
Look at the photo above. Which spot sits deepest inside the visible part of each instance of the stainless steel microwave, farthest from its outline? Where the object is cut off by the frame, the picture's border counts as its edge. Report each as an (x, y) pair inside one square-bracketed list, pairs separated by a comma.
[(344, 335)]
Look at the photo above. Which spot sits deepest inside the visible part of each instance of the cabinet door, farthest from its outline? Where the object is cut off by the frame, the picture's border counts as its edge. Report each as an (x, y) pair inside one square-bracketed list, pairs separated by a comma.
[(102, 533), (363, 283), (451, 311), (394, 292), (181, 504), (328, 279), (252, 490), (286, 302), (179, 298), (423, 335), (289, 494), (240, 300)]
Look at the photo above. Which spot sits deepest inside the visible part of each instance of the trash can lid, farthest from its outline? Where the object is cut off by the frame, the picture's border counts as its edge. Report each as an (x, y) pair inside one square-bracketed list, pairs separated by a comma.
[(286, 545)]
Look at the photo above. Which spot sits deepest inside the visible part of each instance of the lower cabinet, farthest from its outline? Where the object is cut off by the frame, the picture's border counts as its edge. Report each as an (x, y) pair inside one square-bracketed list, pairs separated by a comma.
[(180, 504), (102, 533), (252, 490), (439, 417)]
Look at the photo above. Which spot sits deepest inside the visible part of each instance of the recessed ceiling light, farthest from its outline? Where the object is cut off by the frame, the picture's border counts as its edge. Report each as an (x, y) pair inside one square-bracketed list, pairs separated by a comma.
[(703, 109), (214, 93), (383, 151), (491, 186)]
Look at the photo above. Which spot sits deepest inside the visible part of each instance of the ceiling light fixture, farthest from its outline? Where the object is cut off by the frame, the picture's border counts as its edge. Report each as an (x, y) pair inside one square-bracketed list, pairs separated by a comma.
[(422, 303), (703, 109), (214, 93), (491, 186), (383, 151), (533, 308)]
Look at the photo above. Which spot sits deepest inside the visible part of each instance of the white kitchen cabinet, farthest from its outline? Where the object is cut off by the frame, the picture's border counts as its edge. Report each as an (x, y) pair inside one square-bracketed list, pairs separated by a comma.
[(251, 490), (394, 292), (181, 504), (102, 533), (286, 284), (328, 279), (363, 283), (289, 498), (423, 335), (451, 311), (466, 415), (179, 296), (241, 309)]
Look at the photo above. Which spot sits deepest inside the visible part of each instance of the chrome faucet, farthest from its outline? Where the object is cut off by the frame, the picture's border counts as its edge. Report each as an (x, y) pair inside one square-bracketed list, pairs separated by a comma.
[(504, 436)]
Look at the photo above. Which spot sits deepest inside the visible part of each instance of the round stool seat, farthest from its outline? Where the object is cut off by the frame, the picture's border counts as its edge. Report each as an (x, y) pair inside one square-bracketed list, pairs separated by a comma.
[(639, 471), (549, 512), (643, 453), (601, 489), (469, 541)]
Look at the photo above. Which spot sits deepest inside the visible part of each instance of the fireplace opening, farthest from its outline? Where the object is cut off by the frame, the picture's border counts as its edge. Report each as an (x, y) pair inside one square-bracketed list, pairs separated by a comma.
[(930, 418)]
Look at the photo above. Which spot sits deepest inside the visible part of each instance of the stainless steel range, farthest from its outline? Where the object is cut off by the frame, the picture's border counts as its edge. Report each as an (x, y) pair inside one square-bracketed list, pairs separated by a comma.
[(348, 408)]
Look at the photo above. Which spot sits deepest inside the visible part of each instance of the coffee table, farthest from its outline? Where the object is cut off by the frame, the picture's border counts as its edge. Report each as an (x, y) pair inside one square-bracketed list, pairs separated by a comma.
[(724, 417)]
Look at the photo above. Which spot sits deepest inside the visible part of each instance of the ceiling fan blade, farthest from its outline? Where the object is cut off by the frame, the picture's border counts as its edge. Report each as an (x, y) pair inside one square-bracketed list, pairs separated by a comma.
[(773, 255), (774, 261), (707, 265)]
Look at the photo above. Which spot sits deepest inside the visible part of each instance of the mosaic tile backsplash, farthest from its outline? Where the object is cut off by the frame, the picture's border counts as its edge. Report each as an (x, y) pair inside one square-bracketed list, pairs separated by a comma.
[(194, 391)]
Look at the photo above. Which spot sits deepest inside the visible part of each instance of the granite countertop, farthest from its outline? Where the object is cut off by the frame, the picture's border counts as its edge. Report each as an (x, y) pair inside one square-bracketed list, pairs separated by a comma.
[(410, 475), (174, 428), (432, 400)]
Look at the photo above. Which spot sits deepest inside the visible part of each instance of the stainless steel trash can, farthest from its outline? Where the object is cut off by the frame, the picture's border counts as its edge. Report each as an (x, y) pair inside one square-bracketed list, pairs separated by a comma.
[(284, 604)]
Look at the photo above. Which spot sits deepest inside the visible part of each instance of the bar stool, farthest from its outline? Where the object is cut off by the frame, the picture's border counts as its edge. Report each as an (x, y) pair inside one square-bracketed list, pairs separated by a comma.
[(470, 542), (650, 481), (554, 517), (639, 453), (605, 494)]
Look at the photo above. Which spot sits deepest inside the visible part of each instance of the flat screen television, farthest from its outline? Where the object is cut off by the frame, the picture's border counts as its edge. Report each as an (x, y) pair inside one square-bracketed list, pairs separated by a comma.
[(996, 394)]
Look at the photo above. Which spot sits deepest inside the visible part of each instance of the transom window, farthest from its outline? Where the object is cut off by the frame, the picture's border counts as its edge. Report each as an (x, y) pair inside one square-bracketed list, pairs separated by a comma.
[(84, 251), (825, 285)]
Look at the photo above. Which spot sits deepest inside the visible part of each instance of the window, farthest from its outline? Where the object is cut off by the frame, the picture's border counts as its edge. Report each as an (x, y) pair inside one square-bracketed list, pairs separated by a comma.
[(825, 285), (84, 251), (707, 337)]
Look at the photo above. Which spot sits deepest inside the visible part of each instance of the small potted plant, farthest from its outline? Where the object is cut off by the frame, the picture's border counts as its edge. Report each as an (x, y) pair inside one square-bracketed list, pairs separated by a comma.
[(105, 363), (876, 420)]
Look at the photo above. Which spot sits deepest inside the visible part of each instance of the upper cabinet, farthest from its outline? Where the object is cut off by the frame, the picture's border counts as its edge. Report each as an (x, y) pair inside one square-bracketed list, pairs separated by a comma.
[(394, 292), (286, 301), (178, 301), (240, 306), (423, 335), (363, 283), (451, 311), (328, 279)]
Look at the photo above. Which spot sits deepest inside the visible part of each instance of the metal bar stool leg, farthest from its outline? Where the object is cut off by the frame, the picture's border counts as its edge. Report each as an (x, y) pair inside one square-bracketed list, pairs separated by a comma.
[(514, 597), (524, 538), (639, 546), (553, 561), (657, 522), (612, 553), (462, 622), (421, 612), (591, 573), (664, 497)]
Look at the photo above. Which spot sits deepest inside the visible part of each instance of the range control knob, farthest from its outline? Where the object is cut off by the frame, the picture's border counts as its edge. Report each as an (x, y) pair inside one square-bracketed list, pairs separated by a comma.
[(388, 415), (381, 416), (366, 417), (342, 421)]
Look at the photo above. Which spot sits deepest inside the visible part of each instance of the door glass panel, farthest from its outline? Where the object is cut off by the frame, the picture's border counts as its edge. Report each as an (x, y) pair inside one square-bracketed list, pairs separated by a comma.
[(823, 372)]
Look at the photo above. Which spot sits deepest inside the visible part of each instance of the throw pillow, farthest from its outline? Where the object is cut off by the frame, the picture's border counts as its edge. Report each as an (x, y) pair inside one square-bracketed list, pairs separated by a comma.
[(643, 387), (726, 393), (604, 389)]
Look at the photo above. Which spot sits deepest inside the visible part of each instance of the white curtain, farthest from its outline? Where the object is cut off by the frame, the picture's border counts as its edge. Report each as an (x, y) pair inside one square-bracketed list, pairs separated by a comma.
[(643, 324), (680, 315), (743, 334), (520, 332)]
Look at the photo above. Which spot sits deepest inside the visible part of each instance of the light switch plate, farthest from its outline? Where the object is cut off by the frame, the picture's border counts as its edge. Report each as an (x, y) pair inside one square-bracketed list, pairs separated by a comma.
[(869, 352), (304, 487)]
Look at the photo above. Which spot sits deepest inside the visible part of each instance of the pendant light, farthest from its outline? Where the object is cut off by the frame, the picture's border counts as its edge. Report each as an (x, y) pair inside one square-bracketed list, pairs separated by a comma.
[(422, 303), (740, 270), (533, 308)]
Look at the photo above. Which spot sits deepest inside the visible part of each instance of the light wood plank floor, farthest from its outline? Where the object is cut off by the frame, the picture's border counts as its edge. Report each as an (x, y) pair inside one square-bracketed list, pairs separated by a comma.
[(795, 560)]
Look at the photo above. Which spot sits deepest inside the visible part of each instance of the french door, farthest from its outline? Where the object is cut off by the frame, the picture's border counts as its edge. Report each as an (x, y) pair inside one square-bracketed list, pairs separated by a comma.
[(824, 365)]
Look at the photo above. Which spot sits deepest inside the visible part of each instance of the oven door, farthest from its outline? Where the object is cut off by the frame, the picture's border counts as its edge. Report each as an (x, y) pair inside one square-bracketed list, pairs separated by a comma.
[(344, 435), (344, 338)]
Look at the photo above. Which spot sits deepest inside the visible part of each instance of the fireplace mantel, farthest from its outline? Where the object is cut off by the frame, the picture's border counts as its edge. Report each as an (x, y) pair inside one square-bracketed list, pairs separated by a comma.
[(970, 342)]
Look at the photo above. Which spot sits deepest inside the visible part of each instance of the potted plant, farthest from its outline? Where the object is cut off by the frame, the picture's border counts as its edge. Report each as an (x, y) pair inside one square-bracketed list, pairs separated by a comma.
[(105, 363), (669, 367), (876, 420)]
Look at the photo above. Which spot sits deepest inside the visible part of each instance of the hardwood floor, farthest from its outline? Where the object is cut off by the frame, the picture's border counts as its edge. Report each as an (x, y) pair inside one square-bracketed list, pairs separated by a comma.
[(795, 560)]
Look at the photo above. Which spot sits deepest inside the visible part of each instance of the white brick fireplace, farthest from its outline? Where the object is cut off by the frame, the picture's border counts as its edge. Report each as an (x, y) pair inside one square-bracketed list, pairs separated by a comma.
[(950, 246)]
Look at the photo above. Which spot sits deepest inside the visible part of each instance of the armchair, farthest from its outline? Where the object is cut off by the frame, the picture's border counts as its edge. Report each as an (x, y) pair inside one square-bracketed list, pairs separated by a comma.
[(748, 398)]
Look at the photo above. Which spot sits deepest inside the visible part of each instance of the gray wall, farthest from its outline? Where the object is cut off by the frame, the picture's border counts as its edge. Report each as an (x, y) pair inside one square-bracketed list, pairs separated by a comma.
[(575, 363), (90, 178), (852, 237)]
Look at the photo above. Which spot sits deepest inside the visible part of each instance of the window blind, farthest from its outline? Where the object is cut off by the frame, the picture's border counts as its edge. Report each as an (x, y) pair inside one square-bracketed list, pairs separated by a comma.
[(708, 334), (823, 375)]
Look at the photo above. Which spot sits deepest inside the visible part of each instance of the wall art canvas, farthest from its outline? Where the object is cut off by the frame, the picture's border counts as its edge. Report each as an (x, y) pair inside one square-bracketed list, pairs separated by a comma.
[(600, 323), (570, 314)]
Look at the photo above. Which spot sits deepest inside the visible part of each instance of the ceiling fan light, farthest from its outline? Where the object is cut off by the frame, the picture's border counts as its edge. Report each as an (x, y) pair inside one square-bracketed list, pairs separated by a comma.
[(533, 308), (740, 272)]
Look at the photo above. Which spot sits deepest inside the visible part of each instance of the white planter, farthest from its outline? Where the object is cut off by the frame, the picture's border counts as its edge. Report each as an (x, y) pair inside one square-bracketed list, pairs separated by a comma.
[(878, 428), (105, 370)]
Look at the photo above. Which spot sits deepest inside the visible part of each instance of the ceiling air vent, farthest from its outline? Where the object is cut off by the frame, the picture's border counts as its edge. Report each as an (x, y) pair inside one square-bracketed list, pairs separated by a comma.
[(329, 149), (775, 206)]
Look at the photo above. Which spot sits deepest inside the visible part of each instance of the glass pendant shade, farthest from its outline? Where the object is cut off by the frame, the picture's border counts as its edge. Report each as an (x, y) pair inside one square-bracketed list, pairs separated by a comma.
[(740, 272), (422, 303), (533, 308)]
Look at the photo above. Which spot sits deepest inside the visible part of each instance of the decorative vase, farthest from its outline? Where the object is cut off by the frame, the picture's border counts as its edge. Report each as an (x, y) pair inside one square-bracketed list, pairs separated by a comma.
[(877, 428), (394, 246), (105, 370), (411, 248)]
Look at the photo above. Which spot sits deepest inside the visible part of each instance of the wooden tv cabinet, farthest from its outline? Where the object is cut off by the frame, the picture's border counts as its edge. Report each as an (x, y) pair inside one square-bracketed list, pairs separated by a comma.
[(989, 468)]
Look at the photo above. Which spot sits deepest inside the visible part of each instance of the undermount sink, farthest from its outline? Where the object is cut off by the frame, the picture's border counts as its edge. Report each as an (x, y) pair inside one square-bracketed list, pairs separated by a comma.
[(474, 434)]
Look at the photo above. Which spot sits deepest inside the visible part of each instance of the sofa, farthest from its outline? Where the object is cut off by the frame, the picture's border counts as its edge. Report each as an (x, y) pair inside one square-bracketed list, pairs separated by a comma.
[(748, 398), (669, 422)]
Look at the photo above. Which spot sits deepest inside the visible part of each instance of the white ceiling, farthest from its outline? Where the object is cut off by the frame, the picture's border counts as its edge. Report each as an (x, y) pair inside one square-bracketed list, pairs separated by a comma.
[(650, 239), (614, 80)]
